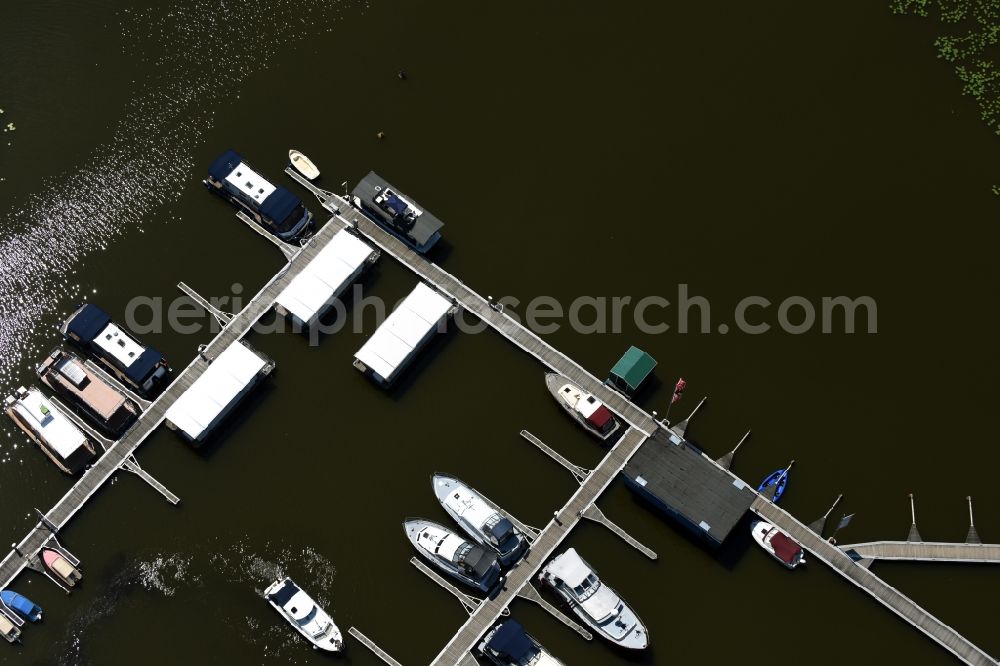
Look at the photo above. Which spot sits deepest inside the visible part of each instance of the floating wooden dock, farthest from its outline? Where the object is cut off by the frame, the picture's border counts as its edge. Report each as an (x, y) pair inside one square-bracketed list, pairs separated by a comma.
[(925, 551), (642, 426), (370, 644), (120, 454), (887, 595)]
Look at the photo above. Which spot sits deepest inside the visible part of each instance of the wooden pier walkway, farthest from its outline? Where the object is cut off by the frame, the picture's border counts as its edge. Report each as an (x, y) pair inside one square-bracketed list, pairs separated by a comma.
[(119, 455), (643, 425), (370, 644), (887, 595), (489, 612), (926, 551)]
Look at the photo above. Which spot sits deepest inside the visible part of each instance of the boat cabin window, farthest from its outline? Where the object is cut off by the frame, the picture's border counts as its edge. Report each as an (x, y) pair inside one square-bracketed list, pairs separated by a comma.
[(587, 588), (591, 399), (566, 390)]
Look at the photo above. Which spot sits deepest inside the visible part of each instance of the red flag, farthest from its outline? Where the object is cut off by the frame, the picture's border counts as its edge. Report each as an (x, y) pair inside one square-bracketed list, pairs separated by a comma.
[(678, 389)]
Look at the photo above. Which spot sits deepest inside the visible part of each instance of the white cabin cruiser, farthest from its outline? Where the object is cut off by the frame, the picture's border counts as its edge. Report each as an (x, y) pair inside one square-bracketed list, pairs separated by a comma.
[(781, 546), (590, 412), (480, 518), (595, 603), (508, 644), (465, 561), (305, 615)]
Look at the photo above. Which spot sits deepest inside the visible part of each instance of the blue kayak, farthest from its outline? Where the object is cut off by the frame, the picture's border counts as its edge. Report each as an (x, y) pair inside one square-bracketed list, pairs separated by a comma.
[(773, 478), (23, 605)]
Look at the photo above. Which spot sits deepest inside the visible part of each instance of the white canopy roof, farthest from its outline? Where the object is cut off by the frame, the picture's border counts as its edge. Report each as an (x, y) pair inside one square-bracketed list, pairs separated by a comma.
[(119, 344), (570, 568), (250, 182), (397, 338), (52, 425), (325, 276), (212, 394)]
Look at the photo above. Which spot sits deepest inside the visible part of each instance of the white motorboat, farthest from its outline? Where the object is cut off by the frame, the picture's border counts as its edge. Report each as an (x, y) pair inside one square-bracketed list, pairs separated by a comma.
[(305, 615), (303, 164), (589, 412), (480, 518), (463, 560), (508, 644), (595, 603), (782, 547)]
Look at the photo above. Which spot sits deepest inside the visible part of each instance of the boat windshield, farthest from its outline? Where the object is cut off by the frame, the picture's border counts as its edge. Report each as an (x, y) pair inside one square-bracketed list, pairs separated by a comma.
[(587, 588), (309, 617)]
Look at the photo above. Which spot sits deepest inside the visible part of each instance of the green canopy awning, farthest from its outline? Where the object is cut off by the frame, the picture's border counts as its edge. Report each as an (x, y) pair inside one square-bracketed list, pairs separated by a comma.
[(632, 369)]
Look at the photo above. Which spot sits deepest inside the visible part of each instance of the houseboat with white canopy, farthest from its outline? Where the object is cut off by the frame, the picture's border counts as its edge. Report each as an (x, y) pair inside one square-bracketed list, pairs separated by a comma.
[(54, 433), (141, 368), (480, 518), (397, 213), (86, 391), (410, 326), (462, 560), (274, 208), (508, 644), (229, 377), (311, 293), (593, 601)]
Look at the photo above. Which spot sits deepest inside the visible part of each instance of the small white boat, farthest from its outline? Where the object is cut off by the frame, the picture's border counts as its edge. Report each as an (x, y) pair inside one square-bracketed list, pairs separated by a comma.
[(588, 411), (303, 164), (305, 615), (593, 601), (782, 547)]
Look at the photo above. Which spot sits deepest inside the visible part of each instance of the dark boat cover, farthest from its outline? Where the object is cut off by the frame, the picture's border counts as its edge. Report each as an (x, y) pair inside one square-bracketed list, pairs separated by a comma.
[(511, 641), (502, 530), (601, 418), (396, 205), (143, 366), (785, 548), (279, 205), (88, 322), (287, 591), (224, 164), (479, 561)]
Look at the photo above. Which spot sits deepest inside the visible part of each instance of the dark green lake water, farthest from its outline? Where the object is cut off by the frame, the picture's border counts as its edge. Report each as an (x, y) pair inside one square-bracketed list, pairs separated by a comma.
[(572, 149)]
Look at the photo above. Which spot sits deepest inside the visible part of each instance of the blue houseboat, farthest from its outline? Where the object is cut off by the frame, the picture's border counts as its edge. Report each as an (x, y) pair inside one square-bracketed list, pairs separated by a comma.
[(142, 368), (273, 207)]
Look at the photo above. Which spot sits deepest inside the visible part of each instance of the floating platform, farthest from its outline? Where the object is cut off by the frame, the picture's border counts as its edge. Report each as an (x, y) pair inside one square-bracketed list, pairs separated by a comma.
[(217, 391), (324, 278), (677, 478), (401, 336)]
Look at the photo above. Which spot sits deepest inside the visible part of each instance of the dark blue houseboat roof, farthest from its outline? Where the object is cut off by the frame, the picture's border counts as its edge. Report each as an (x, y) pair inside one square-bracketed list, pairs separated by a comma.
[(88, 322), (142, 366), (224, 164), (511, 640), (279, 205)]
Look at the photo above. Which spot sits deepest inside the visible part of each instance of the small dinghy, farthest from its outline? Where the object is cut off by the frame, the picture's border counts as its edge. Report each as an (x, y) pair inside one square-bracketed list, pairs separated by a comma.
[(60, 567), (777, 478), (303, 164), (21, 605)]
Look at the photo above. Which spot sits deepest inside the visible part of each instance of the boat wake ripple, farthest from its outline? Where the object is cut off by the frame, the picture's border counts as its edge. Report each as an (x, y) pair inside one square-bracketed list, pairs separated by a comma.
[(195, 55)]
